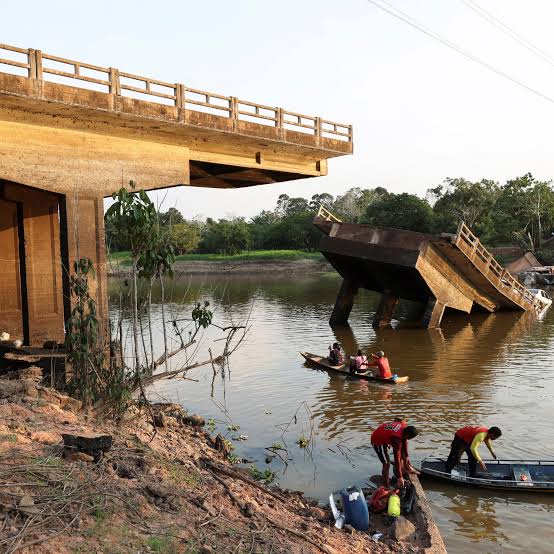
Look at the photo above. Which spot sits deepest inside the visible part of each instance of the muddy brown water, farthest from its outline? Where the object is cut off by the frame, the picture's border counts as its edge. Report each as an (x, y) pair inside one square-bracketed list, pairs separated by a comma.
[(490, 369)]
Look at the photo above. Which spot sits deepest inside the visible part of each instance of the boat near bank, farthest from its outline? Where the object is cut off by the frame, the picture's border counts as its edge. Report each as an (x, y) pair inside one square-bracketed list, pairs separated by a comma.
[(322, 362), (530, 476)]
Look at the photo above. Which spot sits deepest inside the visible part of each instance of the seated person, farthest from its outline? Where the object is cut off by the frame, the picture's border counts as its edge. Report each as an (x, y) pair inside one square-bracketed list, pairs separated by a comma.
[(335, 354), (382, 364), (360, 362)]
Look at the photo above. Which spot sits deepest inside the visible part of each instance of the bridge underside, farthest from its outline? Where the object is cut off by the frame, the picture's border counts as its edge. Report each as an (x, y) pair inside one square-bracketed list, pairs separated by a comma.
[(430, 270)]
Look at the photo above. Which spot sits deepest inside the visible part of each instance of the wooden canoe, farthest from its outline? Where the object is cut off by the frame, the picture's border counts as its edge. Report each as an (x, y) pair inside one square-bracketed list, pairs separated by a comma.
[(510, 475), (324, 363)]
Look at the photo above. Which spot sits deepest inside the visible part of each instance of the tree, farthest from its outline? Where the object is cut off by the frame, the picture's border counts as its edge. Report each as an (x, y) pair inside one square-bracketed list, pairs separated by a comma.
[(260, 227), (352, 205), (294, 232), (296, 206), (282, 205), (323, 199), (289, 206), (524, 212), (184, 236), (172, 217), (265, 217), (227, 236), (462, 200), (401, 211), (137, 214), (117, 236)]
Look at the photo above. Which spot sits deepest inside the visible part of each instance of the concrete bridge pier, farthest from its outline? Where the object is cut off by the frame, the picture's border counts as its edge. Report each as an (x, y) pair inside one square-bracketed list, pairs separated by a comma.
[(385, 310), (344, 302), (432, 316)]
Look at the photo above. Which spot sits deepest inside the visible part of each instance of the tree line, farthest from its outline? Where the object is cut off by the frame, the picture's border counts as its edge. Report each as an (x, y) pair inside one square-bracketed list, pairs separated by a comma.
[(520, 211)]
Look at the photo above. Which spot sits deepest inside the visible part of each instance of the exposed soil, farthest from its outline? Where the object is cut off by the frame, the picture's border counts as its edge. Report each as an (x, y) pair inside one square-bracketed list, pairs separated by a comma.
[(168, 491), (196, 267)]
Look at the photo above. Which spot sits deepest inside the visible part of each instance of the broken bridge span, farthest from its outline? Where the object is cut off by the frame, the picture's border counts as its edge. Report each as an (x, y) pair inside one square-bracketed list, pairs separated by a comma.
[(438, 271)]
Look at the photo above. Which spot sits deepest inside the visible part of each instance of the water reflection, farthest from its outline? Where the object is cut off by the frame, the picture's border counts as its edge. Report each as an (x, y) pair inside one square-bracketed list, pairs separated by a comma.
[(476, 518), (474, 370), (450, 370), (497, 523)]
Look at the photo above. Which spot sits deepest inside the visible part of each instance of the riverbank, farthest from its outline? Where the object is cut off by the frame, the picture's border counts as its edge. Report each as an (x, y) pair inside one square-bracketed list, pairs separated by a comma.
[(256, 261), (167, 489)]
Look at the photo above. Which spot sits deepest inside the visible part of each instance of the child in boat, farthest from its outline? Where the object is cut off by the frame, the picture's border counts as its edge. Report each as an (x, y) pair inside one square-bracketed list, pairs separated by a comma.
[(382, 363), (468, 439), (360, 362), (335, 354)]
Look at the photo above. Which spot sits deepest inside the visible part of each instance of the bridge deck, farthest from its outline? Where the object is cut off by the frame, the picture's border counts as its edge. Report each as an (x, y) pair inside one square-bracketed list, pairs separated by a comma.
[(454, 271), (232, 142), (476, 263)]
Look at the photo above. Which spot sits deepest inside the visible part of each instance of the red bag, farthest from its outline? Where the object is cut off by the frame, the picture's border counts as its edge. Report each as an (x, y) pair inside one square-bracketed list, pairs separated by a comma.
[(380, 499)]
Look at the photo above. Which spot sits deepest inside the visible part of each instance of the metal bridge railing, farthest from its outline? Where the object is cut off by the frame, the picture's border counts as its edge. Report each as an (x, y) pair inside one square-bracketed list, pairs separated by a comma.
[(471, 246), (324, 213), (42, 66)]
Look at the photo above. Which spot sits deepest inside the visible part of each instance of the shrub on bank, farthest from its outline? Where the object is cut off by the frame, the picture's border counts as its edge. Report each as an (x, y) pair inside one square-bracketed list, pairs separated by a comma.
[(545, 256)]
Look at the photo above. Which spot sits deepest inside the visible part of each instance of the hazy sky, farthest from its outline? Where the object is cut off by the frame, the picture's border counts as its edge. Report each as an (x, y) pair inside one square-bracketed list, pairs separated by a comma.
[(420, 111)]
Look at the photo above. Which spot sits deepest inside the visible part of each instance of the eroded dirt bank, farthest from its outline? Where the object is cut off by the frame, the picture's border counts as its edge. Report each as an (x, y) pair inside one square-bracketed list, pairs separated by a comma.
[(165, 490), (238, 267)]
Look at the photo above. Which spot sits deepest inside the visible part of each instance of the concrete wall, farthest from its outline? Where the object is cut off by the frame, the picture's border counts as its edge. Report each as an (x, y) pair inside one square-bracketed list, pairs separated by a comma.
[(11, 305), (40, 284), (76, 162)]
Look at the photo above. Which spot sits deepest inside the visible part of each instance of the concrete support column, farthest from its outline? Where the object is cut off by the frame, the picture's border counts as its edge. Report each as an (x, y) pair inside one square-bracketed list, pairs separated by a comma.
[(385, 310), (344, 302), (433, 313), (85, 239)]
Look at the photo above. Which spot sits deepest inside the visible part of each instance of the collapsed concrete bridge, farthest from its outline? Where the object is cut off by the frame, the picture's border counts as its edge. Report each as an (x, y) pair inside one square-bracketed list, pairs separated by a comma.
[(439, 271)]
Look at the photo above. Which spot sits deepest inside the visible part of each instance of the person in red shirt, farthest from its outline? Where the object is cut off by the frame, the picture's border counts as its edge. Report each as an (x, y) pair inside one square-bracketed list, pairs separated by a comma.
[(467, 439), (382, 364), (396, 435)]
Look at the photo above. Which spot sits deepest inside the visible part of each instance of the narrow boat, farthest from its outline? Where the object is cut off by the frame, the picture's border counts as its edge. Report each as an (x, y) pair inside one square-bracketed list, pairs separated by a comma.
[(511, 475), (324, 363)]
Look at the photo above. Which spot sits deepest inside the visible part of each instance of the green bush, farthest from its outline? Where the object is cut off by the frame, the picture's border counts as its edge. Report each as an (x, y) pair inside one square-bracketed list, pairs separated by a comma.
[(545, 256)]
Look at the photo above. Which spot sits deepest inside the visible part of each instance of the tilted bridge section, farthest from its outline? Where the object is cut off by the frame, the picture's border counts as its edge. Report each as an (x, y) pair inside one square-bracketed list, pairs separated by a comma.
[(439, 271)]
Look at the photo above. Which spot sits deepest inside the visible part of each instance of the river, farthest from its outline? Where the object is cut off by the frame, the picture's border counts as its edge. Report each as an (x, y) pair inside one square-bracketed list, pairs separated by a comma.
[(489, 369)]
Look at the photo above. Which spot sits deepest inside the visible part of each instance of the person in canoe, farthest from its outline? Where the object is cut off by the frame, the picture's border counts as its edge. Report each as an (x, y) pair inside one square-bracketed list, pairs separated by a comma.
[(382, 364), (360, 362), (468, 439), (395, 435), (335, 354)]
